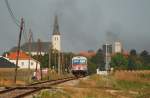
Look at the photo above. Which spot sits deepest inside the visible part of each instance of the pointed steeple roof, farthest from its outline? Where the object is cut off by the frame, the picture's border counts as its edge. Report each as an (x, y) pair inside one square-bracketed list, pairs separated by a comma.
[(56, 26)]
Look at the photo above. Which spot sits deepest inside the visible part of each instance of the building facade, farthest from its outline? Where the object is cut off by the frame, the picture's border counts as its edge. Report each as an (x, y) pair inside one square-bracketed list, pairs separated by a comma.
[(117, 47)]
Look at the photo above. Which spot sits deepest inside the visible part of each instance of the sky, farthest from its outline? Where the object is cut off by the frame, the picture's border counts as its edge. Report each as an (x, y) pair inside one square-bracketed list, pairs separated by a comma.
[(84, 24)]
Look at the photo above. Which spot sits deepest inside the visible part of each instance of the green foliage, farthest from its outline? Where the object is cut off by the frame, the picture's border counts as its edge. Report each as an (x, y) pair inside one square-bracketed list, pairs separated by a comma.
[(134, 63), (141, 61), (92, 67), (118, 61), (133, 52), (124, 84), (65, 60), (97, 60), (145, 58), (44, 61), (52, 94)]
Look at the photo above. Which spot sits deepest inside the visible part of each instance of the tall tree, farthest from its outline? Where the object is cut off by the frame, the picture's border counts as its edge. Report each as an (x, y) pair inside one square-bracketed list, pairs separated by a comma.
[(118, 61), (134, 62), (98, 59)]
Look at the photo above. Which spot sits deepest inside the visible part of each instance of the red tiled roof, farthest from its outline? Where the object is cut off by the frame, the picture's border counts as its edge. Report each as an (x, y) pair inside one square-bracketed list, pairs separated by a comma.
[(87, 53), (22, 55)]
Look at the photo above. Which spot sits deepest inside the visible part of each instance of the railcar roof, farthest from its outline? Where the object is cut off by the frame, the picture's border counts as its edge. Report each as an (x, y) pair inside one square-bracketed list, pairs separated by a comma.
[(79, 57)]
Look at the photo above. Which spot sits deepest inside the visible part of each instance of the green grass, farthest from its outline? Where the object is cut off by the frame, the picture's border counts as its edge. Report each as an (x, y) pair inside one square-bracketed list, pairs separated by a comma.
[(94, 87), (131, 85), (24, 76), (143, 95), (52, 94), (145, 76)]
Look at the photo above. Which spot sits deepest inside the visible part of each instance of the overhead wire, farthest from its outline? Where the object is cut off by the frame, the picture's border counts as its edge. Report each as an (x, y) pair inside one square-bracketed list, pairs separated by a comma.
[(11, 13), (14, 19), (25, 34)]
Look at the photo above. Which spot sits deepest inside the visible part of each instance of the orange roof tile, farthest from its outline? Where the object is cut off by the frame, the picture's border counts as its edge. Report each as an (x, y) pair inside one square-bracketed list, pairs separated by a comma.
[(22, 55), (87, 54)]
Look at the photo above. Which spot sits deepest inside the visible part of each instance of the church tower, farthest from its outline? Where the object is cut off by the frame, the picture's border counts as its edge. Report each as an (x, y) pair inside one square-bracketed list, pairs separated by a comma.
[(56, 42)]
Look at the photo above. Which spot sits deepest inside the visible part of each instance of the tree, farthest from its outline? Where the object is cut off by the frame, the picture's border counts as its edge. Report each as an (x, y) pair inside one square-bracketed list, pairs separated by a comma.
[(145, 57), (133, 52), (91, 67), (98, 59), (134, 61), (118, 61), (44, 61)]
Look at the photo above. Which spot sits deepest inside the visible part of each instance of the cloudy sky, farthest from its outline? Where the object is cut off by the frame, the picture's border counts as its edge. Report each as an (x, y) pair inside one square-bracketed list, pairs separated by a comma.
[(84, 24)]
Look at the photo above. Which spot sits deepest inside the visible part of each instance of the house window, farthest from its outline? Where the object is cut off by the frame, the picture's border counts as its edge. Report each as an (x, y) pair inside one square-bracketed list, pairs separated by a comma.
[(22, 63)]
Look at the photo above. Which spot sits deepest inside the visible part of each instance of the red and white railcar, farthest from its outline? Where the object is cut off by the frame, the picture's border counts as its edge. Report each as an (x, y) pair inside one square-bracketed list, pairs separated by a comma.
[(79, 65)]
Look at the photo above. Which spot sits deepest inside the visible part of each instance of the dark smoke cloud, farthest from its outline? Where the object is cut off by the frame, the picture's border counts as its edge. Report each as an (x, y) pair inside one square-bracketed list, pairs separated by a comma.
[(113, 34), (84, 24)]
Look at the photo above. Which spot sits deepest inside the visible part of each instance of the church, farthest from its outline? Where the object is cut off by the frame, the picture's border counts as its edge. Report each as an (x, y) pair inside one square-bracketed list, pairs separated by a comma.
[(56, 37), (55, 43)]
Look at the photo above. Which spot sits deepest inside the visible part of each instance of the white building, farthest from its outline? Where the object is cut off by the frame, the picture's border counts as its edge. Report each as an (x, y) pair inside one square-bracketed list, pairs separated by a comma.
[(24, 61), (56, 39), (117, 47)]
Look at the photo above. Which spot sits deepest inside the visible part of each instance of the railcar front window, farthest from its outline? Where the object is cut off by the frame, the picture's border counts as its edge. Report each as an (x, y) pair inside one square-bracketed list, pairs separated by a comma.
[(79, 61)]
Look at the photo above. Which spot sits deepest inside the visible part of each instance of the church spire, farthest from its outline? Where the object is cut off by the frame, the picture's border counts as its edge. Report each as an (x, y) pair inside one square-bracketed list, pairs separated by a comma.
[(56, 26)]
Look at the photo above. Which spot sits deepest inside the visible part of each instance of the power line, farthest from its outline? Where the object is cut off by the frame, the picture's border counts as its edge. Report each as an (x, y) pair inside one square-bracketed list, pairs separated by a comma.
[(11, 13), (15, 20), (25, 33)]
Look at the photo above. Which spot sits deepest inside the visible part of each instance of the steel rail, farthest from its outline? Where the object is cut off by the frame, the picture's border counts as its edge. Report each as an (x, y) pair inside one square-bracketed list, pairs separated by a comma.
[(23, 90)]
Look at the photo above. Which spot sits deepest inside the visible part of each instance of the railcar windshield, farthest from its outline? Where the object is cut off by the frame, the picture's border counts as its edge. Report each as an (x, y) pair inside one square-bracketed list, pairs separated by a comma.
[(79, 61)]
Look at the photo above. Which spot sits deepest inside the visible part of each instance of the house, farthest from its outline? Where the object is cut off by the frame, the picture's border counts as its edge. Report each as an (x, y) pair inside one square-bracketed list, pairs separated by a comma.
[(5, 63), (34, 45), (24, 60)]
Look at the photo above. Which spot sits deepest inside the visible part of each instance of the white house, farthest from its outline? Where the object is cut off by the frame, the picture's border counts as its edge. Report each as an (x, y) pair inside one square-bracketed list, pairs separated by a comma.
[(25, 61)]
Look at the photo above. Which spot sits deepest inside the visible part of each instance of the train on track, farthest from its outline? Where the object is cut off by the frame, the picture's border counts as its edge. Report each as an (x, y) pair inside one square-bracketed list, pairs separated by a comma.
[(79, 66)]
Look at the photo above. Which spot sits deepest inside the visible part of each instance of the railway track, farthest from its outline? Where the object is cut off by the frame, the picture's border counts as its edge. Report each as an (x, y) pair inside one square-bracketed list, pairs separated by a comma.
[(22, 91)]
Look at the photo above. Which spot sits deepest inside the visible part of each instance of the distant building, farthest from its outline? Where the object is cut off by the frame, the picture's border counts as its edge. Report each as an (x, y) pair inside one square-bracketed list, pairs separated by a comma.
[(107, 49), (5, 63), (34, 46), (56, 38), (23, 60), (118, 47)]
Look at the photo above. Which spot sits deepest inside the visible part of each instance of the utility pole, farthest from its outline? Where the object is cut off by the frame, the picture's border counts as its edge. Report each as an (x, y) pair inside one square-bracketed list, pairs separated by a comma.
[(37, 56), (55, 57), (40, 47), (49, 59), (29, 47), (62, 62), (38, 52), (66, 61), (50, 53), (59, 66), (18, 48)]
